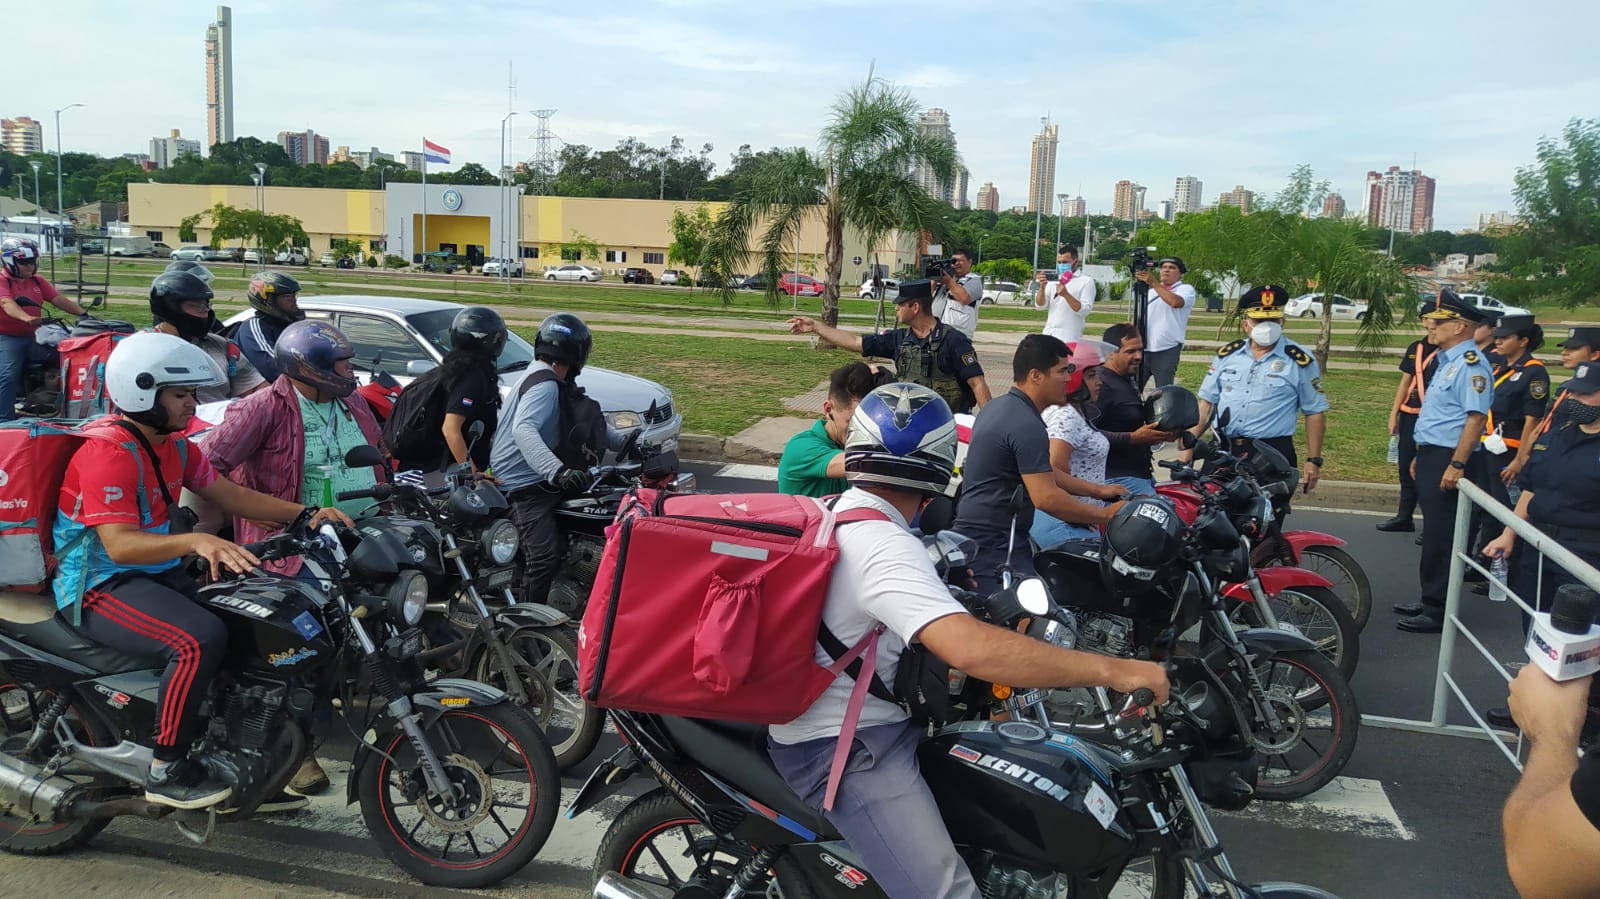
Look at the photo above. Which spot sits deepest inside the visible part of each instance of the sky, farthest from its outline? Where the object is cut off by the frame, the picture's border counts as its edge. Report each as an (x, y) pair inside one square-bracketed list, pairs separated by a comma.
[(1231, 91)]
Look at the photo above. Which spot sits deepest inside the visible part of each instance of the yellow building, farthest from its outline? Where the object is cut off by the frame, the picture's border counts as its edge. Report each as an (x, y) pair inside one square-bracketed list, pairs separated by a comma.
[(478, 223)]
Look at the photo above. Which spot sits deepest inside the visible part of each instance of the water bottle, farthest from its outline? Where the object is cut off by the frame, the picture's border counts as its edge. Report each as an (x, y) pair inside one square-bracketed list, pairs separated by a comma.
[(1394, 450), (1498, 572)]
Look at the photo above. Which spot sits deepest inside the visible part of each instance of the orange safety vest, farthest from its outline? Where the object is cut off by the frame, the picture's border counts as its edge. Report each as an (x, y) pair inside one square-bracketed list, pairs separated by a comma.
[(1421, 363), (1549, 416), (1488, 426)]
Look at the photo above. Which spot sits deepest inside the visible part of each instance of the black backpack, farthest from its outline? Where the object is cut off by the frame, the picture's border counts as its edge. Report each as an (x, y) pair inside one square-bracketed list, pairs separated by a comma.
[(583, 426), (414, 429)]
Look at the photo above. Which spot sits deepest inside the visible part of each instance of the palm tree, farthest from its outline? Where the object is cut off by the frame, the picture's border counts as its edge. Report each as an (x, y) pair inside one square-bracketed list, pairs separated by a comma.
[(863, 177)]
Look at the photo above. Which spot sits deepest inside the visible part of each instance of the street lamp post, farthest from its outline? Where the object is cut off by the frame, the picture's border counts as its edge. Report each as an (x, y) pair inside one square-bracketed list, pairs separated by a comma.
[(256, 180), (505, 264), (61, 211), (980, 247), (261, 211), (1138, 207), (39, 206), (1062, 214)]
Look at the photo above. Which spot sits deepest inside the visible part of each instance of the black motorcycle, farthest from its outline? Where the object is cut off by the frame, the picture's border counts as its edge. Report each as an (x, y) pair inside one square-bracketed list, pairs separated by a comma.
[(461, 540), (456, 784), (1034, 812)]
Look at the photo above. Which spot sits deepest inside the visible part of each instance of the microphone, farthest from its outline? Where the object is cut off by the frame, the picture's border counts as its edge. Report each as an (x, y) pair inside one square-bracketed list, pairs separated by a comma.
[(1565, 642)]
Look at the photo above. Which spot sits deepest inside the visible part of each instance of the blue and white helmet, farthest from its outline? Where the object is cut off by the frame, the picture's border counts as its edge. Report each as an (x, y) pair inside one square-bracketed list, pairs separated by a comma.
[(901, 436)]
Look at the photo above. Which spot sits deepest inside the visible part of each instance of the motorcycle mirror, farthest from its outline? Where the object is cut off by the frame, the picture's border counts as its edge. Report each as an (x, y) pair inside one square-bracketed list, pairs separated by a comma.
[(629, 443), (1187, 440), (363, 456), (937, 515), (1033, 596), (417, 367), (474, 434), (1224, 418)]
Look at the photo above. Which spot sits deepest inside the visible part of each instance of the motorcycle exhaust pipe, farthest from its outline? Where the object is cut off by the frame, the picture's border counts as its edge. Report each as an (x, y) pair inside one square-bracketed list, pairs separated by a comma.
[(26, 793), (614, 886)]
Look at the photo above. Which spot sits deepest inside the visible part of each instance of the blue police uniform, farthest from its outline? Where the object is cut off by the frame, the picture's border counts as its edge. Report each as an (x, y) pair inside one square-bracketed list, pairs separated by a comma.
[(1460, 386), (1563, 474), (1265, 396)]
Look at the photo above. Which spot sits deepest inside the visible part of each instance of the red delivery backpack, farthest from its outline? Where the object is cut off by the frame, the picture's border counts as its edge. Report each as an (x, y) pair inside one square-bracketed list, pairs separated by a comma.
[(83, 367), (709, 605), (33, 463)]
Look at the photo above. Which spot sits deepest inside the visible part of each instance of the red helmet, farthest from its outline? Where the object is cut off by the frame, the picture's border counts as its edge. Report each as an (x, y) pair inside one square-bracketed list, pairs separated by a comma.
[(1086, 354)]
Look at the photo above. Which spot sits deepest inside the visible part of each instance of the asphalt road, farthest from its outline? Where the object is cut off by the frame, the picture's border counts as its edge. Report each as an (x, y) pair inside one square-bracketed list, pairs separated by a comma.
[(1413, 814)]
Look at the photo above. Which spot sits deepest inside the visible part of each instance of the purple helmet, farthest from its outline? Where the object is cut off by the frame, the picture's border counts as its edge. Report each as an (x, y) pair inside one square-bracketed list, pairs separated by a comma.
[(309, 352)]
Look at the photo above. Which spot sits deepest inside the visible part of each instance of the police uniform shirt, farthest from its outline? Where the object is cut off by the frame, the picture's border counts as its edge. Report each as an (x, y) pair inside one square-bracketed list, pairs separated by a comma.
[(956, 355), (1521, 391), (1563, 472), (1265, 395), (1408, 365), (1460, 386)]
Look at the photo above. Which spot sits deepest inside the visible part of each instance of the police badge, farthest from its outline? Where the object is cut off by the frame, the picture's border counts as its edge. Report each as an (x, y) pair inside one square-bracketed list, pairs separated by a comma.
[(1480, 383)]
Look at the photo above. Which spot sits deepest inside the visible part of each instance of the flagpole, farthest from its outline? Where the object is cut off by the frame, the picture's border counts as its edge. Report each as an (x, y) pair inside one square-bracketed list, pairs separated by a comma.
[(424, 202)]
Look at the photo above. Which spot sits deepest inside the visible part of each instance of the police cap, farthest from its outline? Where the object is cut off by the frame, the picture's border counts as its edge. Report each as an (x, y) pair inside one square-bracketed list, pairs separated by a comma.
[(1264, 302), (920, 289), (1513, 325), (1585, 380), (1578, 338), (1448, 306)]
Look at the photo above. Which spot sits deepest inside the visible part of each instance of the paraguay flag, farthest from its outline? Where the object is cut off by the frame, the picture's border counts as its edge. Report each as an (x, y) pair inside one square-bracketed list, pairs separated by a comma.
[(432, 152)]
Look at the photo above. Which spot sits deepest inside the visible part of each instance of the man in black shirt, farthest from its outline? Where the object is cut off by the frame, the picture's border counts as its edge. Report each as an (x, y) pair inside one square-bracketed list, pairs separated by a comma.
[(1552, 820), (1122, 417)]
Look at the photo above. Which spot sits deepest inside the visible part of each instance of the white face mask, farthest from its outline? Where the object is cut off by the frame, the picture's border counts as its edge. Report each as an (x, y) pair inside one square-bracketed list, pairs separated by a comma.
[(1266, 333)]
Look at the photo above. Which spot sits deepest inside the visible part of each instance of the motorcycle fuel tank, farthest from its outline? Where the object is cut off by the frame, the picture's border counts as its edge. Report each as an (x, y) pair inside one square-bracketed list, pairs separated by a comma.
[(1019, 790), (273, 622), (587, 515)]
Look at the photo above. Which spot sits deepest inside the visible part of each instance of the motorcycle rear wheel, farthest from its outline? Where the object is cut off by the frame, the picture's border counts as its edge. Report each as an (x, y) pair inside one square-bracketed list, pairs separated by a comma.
[(572, 726), (1319, 721), (20, 706), (1349, 578), (657, 841), (1317, 614)]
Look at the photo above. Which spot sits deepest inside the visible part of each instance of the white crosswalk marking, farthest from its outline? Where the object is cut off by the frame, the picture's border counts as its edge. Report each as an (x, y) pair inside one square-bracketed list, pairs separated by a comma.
[(747, 472), (1347, 805)]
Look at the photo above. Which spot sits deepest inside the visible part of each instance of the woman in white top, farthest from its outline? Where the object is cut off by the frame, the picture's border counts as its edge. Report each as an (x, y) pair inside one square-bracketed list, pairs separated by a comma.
[(1077, 449)]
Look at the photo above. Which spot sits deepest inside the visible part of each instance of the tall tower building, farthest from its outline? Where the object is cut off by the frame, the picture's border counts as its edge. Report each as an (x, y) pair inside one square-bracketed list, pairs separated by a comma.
[(21, 136), (1164, 211), (219, 78), (1239, 197), (988, 197), (1075, 207), (1042, 170), (1333, 206), (935, 122), (1400, 200), (963, 179), (164, 151), (1186, 195), (1126, 200), (304, 147)]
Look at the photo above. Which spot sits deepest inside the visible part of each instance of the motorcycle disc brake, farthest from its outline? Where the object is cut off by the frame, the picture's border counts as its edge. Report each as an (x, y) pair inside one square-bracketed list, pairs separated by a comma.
[(476, 797), (1291, 721)]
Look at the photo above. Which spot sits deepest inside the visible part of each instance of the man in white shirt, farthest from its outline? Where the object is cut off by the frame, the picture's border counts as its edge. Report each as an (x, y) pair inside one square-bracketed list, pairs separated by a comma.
[(957, 294), (1167, 311), (899, 455), (1067, 300)]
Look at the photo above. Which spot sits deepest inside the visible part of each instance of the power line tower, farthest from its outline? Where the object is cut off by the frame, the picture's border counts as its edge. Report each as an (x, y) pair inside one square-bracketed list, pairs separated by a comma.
[(546, 144)]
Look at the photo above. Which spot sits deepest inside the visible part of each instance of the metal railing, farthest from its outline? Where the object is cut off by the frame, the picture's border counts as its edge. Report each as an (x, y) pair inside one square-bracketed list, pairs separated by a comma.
[(1461, 557)]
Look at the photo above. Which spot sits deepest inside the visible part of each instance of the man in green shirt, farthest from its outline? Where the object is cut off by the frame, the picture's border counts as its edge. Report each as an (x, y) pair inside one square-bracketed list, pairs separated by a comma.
[(813, 460)]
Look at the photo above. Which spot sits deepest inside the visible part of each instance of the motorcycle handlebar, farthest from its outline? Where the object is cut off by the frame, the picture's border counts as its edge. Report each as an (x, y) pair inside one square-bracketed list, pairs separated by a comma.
[(1139, 700)]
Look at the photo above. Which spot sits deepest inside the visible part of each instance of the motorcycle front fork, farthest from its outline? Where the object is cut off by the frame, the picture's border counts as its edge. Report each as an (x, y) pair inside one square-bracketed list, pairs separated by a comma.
[(488, 627)]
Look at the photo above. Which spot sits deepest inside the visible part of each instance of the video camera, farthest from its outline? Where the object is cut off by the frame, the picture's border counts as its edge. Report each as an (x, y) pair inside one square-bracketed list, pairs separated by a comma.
[(937, 269), (1142, 259)]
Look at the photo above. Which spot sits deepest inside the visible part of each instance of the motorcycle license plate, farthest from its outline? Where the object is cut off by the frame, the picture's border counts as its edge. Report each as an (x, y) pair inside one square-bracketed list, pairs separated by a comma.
[(1029, 698), (497, 578)]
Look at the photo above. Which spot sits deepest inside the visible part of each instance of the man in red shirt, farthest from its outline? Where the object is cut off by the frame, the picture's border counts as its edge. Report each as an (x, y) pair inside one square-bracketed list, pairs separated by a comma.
[(22, 297), (121, 553)]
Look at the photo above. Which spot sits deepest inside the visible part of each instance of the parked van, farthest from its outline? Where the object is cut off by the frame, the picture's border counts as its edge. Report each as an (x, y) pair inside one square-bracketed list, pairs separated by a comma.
[(131, 246)]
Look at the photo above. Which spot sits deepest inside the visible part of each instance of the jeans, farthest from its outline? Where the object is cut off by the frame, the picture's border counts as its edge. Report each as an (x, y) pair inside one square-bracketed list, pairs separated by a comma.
[(15, 353), (533, 512), (1135, 486), (1048, 531), (1162, 365), (884, 809)]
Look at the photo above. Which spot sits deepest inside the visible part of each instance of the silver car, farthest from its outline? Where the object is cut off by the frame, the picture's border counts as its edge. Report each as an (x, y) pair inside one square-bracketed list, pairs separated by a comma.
[(406, 337)]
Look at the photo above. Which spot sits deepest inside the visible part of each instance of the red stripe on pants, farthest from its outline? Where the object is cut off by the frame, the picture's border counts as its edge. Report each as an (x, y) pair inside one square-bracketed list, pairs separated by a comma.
[(187, 647)]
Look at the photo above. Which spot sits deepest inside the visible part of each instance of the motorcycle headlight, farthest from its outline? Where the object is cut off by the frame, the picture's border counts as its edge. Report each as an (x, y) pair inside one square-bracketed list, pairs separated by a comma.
[(408, 596), (622, 421), (500, 541)]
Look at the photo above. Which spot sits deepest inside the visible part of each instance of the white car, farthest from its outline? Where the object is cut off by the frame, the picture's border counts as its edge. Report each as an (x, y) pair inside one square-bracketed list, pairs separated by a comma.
[(1000, 292), (191, 253), (1310, 306), (891, 289), (572, 272), (292, 256), (498, 267), (674, 276), (1493, 306), (252, 256)]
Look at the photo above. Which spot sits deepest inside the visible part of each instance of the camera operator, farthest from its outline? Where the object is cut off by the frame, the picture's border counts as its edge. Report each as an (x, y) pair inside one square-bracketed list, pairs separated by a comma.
[(957, 292), (1552, 820), (1167, 311)]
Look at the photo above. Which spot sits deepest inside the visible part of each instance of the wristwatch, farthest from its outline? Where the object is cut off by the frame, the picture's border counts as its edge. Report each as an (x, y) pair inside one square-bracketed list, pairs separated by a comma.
[(1458, 465), (1315, 460)]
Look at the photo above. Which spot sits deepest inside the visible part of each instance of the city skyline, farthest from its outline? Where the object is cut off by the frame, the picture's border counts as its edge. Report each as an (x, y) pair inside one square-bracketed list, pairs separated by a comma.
[(1470, 132)]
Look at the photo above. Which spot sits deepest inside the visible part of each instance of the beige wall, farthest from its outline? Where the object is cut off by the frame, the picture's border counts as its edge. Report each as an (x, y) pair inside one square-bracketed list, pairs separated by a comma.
[(325, 214)]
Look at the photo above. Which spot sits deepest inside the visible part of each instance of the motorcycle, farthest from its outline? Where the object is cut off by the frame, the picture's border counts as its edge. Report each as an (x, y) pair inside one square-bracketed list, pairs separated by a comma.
[(1035, 812), (39, 392), (582, 520), (455, 783), (460, 538)]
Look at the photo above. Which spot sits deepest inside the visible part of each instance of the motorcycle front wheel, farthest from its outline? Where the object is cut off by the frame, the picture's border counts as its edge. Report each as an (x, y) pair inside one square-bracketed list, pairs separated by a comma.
[(1317, 724), (506, 790), (1317, 614), (548, 660), (657, 841)]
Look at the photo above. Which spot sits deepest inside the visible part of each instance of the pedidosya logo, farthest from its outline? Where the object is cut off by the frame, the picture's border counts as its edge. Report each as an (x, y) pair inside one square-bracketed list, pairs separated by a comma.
[(452, 199)]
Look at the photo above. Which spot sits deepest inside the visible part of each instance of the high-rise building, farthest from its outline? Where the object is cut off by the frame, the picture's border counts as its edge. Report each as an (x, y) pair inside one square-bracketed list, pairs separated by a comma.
[(219, 78), (1042, 170), (1498, 221), (1127, 199), (1333, 206), (1165, 210), (988, 197), (1244, 199), (1075, 207), (412, 159), (142, 160), (962, 182), (304, 147), (340, 154), (1400, 200), (365, 158), (21, 136), (935, 122), (1185, 195), (164, 151)]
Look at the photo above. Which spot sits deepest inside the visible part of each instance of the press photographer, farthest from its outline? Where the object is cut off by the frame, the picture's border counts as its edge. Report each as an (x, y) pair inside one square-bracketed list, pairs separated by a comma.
[(1163, 317), (957, 292)]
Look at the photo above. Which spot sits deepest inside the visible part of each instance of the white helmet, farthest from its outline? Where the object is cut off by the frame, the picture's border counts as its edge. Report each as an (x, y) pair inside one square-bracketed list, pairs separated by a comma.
[(144, 363), (901, 436)]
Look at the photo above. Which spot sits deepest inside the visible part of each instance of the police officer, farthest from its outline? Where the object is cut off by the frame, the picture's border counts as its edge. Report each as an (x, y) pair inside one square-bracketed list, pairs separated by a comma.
[(1582, 345), (1521, 398), (1265, 381), (1416, 369), (925, 350), (1448, 427)]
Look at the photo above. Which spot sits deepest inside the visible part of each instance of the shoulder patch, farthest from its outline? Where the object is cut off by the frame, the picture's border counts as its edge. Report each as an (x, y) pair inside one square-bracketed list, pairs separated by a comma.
[(1472, 357), (1539, 389), (1300, 357), (1231, 348)]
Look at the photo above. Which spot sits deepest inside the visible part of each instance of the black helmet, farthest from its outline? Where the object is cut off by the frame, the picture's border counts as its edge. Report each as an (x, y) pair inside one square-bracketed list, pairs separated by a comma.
[(169, 291), (1143, 538), (266, 288), (480, 330), (563, 337), (192, 267), (1172, 408)]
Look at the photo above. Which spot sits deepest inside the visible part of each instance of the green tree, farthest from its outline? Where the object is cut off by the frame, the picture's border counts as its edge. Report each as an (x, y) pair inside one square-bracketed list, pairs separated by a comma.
[(346, 247), (862, 177), (689, 235), (578, 247), (269, 231), (1555, 255)]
